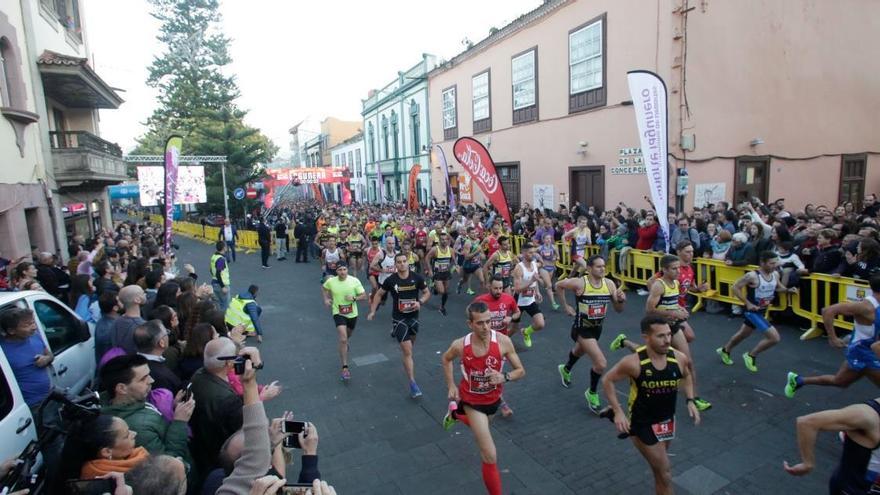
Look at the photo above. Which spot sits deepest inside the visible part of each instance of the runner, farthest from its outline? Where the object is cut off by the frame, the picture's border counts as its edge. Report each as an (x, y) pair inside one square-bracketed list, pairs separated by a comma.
[(341, 294), (421, 237), (355, 251), (439, 262), (762, 286), (472, 262), (667, 299), (373, 273), (656, 372), (579, 237), (411, 258), (383, 263), (526, 281), (503, 310), (478, 395), (549, 255), (501, 263), (331, 256), (592, 292), (409, 292), (860, 359)]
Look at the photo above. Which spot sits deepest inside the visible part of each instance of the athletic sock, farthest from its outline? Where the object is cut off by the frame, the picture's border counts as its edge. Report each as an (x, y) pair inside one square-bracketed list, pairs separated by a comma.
[(463, 418), (571, 360), (594, 380), (528, 330), (799, 381), (492, 479), (443, 300)]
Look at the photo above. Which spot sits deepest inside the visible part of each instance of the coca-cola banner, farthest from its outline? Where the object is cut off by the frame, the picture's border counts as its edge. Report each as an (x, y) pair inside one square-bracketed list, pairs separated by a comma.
[(412, 202), (476, 161)]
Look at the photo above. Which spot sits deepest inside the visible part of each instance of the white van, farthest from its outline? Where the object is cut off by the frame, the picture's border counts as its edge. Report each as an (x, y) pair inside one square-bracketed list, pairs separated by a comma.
[(72, 342)]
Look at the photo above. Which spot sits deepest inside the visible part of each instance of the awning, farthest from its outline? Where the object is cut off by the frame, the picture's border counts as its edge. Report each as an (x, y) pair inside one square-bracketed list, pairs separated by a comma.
[(71, 82)]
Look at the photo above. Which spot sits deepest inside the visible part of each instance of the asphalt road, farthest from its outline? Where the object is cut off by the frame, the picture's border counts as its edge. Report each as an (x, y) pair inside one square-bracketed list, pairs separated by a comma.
[(374, 439)]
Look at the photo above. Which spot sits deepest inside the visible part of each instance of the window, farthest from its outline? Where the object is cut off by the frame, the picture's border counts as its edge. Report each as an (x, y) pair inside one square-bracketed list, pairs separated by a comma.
[(385, 137), (852, 179), (371, 143), (481, 102), (357, 158), (394, 133), (414, 127), (586, 63), (450, 121), (5, 82), (350, 162), (524, 72), (62, 328)]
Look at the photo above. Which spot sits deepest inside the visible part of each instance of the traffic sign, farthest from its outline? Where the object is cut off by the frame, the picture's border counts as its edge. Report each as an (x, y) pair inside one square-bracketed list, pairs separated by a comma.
[(238, 193), (252, 194)]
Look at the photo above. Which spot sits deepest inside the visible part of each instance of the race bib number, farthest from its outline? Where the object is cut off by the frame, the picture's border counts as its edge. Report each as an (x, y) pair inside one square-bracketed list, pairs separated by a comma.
[(331, 265), (529, 292), (765, 301), (443, 266), (345, 309), (406, 305), (479, 384), (664, 431), (593, 311), (505, 271)]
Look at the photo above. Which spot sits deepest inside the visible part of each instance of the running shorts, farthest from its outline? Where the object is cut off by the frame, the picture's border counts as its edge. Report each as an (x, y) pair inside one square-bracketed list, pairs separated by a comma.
[(756, 320), (487, 409), (860, 357), (470, 267), (586, 332), (644, 433), (442, 276), (676, 326), (404, 329), (532, 309), (341, 320)]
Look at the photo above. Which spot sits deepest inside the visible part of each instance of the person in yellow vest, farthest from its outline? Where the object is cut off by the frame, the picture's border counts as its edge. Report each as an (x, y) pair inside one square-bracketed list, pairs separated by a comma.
[(220, 274), (244, 310)]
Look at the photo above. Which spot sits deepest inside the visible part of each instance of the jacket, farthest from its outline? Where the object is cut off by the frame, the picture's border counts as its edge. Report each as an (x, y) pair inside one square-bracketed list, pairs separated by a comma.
[(256, 458), (217, 416), (153, 433), (164, 377)]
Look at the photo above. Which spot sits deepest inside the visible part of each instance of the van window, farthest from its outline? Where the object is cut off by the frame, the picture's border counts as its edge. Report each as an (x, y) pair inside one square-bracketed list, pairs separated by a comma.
[(61, 327), (6, 400)]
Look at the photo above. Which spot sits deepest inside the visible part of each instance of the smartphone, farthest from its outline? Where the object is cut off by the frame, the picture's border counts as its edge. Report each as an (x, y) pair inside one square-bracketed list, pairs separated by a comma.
[(295, 489), (187, 392), (291, 442), (91, 487), (295, 427)]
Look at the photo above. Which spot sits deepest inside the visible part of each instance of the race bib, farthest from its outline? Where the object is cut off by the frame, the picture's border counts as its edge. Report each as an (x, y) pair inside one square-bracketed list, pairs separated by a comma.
[(505, 271), (664, 431), (479, 383), (593, 311), (345, 309), (529, 292), (331, 265), (406, 305), (443, 266), (765, 301)]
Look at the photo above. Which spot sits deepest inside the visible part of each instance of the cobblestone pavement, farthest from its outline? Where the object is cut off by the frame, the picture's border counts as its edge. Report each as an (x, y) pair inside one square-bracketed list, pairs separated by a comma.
[(375, 439)]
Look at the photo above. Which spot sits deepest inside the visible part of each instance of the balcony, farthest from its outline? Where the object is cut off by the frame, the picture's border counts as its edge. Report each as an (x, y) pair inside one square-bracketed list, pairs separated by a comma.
[(85, 161)]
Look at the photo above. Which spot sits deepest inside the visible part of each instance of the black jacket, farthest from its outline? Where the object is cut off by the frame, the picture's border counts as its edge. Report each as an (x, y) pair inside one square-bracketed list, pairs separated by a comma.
[(217, 416), (264, 234), (163, 377)]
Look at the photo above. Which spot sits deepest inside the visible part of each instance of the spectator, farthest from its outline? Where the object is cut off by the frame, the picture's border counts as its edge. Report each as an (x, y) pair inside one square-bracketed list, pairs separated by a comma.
[(685, 232), (171, 322), (154, 279), (126, 382), (871, 206), (110, 308), (104, 283), (757, 238), (27, 354), (728, 221), (244, 310), (828, 257), (741, 253), (228, 235), (280, 240), (167, 295), (151, 340), (24, 273), (264, 237), (862, 260), (97, 447), (192, 357), (791, 265), (218, 408), (81, 293), (647, 232), (47, 277), (158, 475), (721, 245), (132, 298)]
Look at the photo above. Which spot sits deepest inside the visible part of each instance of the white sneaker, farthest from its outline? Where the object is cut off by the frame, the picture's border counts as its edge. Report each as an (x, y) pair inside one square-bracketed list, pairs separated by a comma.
[(736, 309), (642, 292)]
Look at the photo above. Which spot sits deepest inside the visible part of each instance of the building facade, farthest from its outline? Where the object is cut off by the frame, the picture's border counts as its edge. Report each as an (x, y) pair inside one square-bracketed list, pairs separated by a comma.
[(349, 154), (56, 168), (397, 134), (768, 99), (300, 133)]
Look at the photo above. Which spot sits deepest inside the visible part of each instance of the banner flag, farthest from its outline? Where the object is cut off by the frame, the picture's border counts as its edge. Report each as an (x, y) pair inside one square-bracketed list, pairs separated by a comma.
[(648, 93), (477, 162), (346, 195), (172, 161), (439, 157), (319, 194), (413, 198)]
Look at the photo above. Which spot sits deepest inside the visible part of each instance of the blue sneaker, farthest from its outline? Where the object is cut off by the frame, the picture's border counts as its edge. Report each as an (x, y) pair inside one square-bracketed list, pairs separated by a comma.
[(414, 391)]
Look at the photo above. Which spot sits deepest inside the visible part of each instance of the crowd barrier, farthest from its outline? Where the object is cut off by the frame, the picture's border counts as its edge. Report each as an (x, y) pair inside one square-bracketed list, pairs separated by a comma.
[(636, 267)]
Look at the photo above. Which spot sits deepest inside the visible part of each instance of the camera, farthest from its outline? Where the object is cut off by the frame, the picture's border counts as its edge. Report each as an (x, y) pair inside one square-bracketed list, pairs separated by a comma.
[(238, 363)]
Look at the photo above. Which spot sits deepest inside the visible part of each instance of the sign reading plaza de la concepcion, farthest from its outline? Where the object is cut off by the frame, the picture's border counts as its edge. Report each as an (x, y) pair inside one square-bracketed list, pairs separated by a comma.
[(629, 162)]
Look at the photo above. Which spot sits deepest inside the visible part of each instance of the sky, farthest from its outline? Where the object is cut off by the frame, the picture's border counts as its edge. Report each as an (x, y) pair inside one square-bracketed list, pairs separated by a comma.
[(292, 58)]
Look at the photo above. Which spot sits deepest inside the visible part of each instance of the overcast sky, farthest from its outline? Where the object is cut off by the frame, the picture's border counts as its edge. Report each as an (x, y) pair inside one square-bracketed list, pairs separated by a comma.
[(292, 58)]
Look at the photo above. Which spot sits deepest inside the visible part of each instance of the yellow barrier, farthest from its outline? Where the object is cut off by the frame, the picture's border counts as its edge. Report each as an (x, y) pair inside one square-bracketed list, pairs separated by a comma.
[(822, 291)]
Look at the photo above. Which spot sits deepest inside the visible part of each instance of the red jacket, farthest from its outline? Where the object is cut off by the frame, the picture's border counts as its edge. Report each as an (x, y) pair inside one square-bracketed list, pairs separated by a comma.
[(647, 236)]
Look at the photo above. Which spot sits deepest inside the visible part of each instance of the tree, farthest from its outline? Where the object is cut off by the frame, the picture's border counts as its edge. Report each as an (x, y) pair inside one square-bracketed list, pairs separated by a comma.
[(197, 100)]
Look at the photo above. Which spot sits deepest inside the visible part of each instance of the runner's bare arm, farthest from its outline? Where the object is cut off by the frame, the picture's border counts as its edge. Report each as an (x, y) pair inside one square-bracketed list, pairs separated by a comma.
[(575, 285), (517, 275), (515, 314), (426, 294), (509, 353), (618, 297), (454, 352), (856, 417), (861, 311), (328, 296), (746, 280), (687, 384), (374, 263), (428, 258), (490, 261), (651, 309), (360, 296), (626, 368), (377, 298)]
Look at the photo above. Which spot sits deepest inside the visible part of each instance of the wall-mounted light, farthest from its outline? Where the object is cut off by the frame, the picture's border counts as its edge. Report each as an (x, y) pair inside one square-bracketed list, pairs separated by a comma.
[(755, 142), (583, 147)]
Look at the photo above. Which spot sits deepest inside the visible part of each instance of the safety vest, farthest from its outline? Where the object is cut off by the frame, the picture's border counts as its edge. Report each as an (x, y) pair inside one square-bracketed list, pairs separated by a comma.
[(224, 276), (236, 315)]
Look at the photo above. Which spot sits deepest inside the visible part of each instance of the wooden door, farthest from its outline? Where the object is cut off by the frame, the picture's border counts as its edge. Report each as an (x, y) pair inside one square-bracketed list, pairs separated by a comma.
[(852, 179), (587, 185), (752, 179)]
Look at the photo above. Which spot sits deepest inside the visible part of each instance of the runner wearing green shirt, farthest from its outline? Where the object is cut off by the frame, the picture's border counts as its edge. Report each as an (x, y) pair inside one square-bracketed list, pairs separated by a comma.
[(341, 294)]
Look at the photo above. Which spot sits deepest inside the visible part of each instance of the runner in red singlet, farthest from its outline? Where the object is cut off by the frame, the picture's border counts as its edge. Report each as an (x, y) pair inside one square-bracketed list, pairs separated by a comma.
[(503, 309), (478, 396), (373, 274)]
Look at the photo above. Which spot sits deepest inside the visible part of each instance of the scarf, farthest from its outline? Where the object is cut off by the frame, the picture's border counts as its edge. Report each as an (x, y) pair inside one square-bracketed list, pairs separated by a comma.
[(100, 467)]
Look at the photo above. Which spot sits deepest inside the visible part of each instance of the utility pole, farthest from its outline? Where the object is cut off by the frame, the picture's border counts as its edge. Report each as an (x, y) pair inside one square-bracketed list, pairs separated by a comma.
[(225, 192)]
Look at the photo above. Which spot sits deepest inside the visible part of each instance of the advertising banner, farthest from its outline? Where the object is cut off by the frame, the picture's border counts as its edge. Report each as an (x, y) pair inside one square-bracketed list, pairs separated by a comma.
[(412, 200), (476, 161), (438, 158), (172, 161), (648, 94), (189, 188), (465, 189)]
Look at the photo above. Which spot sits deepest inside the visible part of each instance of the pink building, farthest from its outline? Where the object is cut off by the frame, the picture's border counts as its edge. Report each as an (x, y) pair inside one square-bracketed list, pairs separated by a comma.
[(766, 98)]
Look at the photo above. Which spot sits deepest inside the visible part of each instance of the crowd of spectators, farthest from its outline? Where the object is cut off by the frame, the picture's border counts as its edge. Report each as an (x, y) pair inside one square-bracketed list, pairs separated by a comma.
[(176, 416)]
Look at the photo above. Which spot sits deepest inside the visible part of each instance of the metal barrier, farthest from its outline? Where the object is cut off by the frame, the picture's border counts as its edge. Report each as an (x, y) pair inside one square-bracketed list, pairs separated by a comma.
[(822, 290)]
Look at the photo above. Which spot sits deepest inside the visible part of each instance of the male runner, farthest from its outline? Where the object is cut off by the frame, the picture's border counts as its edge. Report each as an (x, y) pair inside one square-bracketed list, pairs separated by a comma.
[(526, 279), (341, 294), (592, 292), (409, 291), (439, 263), (331, 256), (501, 263), (411, 258), (482, 353), (762, 286), (579, 237), (472, 257), (656, 372), (355, 241), (860, 359), (502, 309), (860, 424), (665, 300)]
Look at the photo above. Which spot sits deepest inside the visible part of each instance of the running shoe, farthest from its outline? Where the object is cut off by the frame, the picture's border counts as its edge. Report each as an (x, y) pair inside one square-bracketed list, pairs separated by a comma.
[(555, 307), (791, 385), (458, 289), (565, 375), (617, 343), (749, 362), (448, 421), (642, 292), (414, 391), (470, 291), (701, 404), (527, 338), (725, 356), (346, 375), (443, 311), (593, 401), (506, 411)]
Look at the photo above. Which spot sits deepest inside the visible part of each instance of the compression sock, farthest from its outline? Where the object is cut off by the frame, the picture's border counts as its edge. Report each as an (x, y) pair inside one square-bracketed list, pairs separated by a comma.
[(492, 479), (443, 299), (594, 380), (463, 418), (528, 330), (571, 360)]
